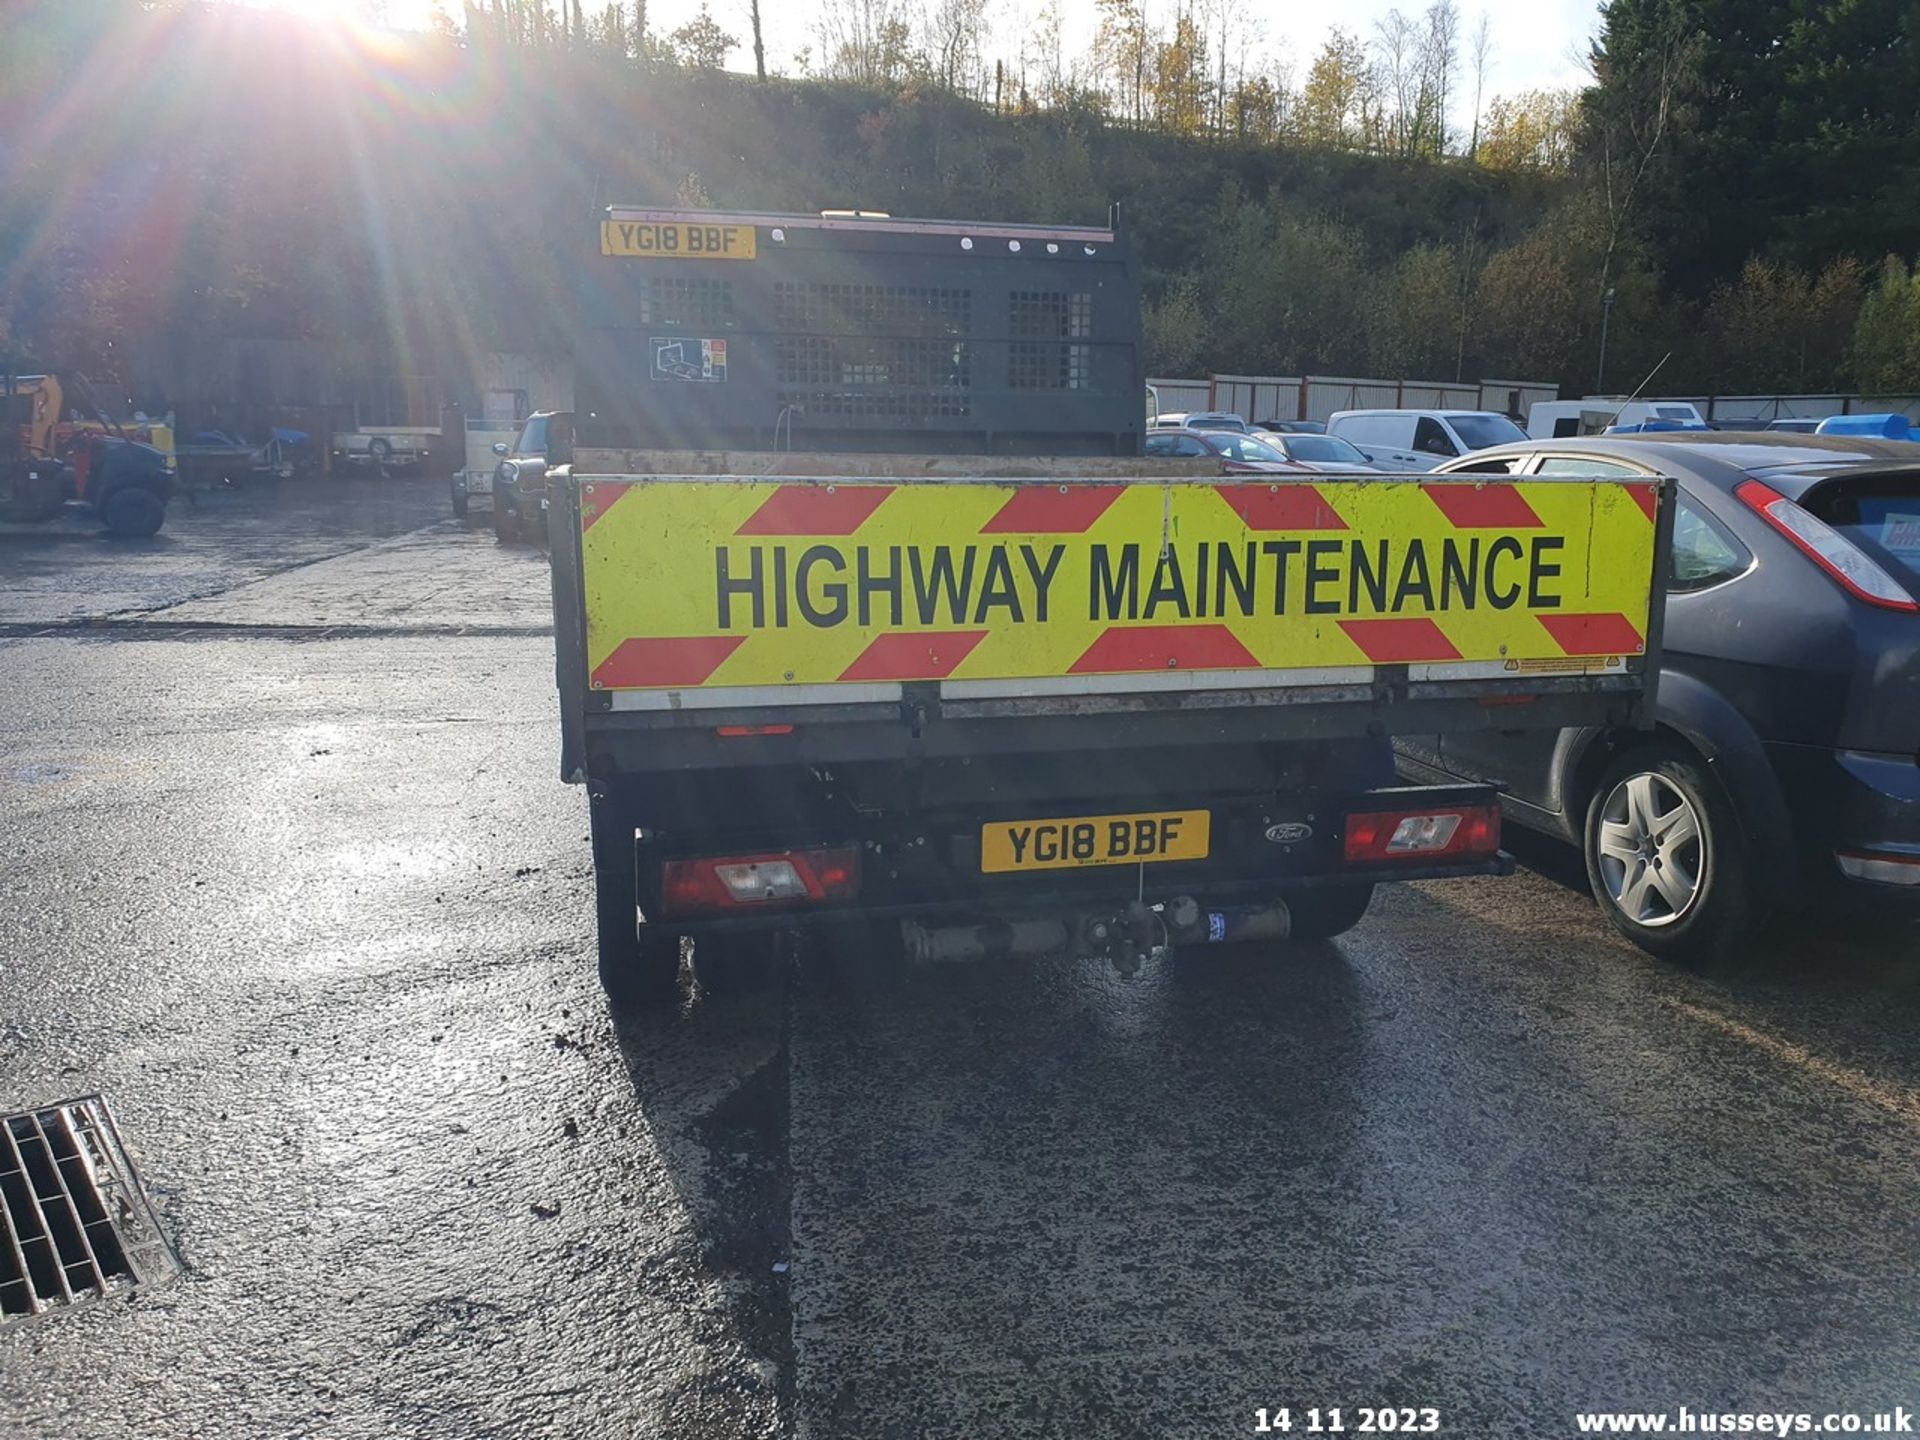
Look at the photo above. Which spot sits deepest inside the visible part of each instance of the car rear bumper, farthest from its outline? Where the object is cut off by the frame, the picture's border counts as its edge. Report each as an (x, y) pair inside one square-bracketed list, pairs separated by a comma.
[(1859, 814)]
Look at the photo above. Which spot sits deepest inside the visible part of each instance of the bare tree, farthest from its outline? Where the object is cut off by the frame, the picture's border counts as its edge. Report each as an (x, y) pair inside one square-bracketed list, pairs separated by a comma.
[(759, 43), (1482, 53), (1044, 46), (1631, 119), (1442, 59), (1397, 63), (868, 41), (956, 41)]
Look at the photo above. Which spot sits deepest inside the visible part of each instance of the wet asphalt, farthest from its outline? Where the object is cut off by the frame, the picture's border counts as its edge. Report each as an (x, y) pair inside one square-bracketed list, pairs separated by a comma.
[(291, 878)]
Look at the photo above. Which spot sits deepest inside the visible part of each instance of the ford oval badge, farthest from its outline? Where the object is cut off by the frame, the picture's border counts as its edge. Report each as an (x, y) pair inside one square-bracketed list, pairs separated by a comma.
[(1291, 833)]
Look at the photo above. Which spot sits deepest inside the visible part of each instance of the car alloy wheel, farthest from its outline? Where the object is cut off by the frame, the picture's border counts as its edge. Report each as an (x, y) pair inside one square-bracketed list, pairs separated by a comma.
[(1652, 850)]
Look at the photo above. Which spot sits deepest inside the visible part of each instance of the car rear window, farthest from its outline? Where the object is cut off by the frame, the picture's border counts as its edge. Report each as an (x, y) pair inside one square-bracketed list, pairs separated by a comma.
[(1880, 514)]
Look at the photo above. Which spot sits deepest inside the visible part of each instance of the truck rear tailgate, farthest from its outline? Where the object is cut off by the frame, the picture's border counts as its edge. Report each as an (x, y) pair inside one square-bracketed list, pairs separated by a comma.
[(695, 602)]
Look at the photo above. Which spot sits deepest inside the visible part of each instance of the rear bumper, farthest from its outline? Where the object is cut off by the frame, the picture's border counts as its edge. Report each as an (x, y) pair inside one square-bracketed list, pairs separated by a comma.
[(928, 866), (1859, 818), (1042, 901)]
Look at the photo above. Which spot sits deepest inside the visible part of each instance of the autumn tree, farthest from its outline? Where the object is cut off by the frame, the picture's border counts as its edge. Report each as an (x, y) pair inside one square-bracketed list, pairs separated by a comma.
[(1535, 130), (1182, 87), (701, 44), (1122, 48), (1335, 100), (1885, 352), (1525, 307), (1778, 328), (1412, 314), (1174, 329)]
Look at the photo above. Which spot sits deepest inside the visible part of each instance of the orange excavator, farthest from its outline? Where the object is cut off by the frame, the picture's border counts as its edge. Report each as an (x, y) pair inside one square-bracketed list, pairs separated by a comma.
[(58, 448)]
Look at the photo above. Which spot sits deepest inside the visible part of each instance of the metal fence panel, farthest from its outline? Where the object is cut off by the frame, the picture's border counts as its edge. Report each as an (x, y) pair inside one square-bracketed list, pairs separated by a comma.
[(1178, 396), (1258, 397)]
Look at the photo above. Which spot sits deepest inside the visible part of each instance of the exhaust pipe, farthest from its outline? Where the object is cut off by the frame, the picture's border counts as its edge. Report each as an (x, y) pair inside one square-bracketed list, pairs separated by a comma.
[(994, 940)]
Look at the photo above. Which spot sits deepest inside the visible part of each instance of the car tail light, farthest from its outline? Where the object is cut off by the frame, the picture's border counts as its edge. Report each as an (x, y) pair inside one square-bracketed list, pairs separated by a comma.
[(1437, 834), (736, 732), (1852, 568), (788, 879)]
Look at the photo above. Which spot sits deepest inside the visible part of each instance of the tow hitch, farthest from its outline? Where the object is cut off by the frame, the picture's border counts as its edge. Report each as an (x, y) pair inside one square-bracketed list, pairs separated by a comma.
[(1124, 938)]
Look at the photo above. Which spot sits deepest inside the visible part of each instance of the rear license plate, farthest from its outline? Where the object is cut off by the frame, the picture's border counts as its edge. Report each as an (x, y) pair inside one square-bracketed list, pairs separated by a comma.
[(674, 241), (1085, 840)]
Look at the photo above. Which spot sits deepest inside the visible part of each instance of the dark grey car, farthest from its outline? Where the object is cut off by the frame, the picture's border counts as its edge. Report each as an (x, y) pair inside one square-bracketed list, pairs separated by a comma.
[(1785, 768)]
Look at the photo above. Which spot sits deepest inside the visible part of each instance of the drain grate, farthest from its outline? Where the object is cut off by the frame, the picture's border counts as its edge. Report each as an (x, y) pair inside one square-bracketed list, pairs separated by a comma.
[(74, 1223)]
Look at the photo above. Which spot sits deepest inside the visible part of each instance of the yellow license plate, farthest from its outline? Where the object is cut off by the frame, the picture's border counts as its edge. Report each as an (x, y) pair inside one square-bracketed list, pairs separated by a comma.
[(665, 240), (1094, 840)]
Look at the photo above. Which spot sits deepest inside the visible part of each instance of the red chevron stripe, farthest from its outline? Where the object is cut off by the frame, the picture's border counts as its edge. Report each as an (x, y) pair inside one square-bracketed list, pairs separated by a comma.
[(1292, 506), (598, 498), (1052, 509), (1608, 633), (1483, 507), (1124, 648), (642, 664), (1400, 641), (1646, 496), (904, 655), (815, 510)]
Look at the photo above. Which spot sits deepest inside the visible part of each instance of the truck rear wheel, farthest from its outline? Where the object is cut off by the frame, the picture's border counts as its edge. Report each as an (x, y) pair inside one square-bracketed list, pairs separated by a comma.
[(133, 513), (1328, 911), (639, 964)]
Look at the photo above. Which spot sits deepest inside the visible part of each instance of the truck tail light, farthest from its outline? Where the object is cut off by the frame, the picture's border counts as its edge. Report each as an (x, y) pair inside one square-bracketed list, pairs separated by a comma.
[(1851, 568), (789, 879), (1388, 835)]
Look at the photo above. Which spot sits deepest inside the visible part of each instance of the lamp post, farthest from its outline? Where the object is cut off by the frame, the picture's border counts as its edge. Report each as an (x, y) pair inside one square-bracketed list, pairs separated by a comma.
[(1606, 315)]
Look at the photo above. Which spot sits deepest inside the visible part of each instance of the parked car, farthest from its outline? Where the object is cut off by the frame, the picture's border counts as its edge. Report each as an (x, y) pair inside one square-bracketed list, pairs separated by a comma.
[(1794, 425), (1237, 453), (520, 479), (1786, 763), (1321, 452), (1291, 427), (1202, 420), (1422, 439)]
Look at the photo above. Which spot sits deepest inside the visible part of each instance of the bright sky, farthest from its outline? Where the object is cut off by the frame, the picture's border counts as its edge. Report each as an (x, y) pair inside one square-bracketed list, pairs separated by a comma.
[(1537, 44)]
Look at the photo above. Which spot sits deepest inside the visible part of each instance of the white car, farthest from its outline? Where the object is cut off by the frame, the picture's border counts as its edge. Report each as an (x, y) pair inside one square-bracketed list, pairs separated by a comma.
[(1412, 440), (1203, 420)]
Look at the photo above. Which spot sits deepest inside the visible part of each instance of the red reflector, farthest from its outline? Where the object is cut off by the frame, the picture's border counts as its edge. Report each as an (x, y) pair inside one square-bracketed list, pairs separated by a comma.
[(1435, 833), (734, 732), (782, 880)]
